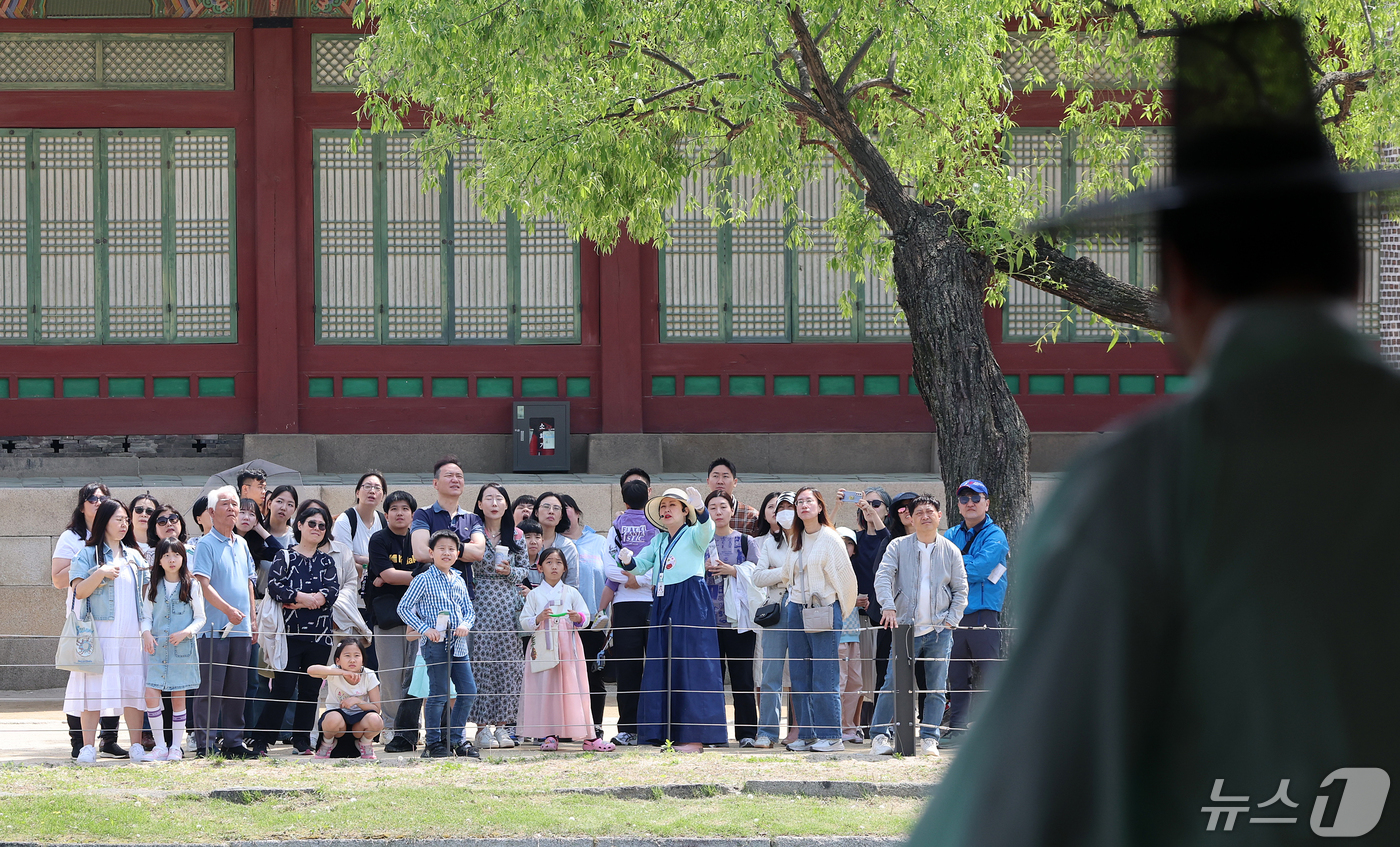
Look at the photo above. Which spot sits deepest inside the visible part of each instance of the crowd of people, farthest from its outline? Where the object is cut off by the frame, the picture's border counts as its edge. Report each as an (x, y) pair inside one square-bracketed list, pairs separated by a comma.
[(268, 619)]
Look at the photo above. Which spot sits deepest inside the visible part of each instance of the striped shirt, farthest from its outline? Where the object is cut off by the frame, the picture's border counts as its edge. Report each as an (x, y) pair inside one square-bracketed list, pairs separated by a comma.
[(432, 593)]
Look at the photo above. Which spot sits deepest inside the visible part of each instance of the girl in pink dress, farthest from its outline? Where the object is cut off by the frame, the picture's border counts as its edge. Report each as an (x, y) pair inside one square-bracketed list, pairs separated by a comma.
[(554, 702)]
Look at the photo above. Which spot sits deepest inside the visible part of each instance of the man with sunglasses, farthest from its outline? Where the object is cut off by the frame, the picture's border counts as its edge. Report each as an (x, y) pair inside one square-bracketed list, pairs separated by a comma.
[(976, 650)]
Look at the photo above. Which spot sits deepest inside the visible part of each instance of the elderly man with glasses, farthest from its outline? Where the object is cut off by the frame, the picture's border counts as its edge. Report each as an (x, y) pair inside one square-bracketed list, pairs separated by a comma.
[(976, 651)]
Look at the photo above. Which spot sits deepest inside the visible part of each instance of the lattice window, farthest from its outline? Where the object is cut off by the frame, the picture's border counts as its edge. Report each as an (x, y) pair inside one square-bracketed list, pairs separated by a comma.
[(1053, 168), (331, 57), (398, 265), (185, 61), (1377, 224), (116, 236), (746, 282), (1029, 53)]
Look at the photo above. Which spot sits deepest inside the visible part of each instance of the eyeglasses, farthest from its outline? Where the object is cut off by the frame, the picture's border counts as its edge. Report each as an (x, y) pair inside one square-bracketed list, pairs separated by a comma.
[(371, 486), (807, 501), (96, 500), (166, 520), (143, 510), (969, 498), (321, 525)]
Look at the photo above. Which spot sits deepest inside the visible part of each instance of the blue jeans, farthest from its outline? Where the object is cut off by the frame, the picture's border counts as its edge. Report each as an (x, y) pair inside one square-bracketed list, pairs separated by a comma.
[(934, 648), (442, 664), (770, 701), (816, 676)]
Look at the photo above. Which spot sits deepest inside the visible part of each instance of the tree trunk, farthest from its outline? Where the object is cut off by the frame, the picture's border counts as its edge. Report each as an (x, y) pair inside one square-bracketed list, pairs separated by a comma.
[(941, 287)]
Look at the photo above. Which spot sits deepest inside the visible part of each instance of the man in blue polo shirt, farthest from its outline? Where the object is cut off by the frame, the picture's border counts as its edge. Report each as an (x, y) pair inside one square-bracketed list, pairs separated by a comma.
[(445, 512), (225, 571), (984, 549)]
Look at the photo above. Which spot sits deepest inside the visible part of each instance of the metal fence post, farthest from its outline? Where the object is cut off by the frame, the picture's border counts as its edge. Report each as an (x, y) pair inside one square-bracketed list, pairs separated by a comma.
[(903, 669)]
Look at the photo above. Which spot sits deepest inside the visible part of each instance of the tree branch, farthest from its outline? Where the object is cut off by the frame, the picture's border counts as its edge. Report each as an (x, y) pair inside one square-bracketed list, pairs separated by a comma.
[(854, 64), (1343, 86), (816, 142), (1085, 284), (658, 56), (1142, 30)]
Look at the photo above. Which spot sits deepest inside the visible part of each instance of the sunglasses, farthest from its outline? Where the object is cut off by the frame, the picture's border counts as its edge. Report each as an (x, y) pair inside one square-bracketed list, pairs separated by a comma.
[(166, 520), (97, 499), (875, 504), (315, 525), (969, 498), (143, 510)]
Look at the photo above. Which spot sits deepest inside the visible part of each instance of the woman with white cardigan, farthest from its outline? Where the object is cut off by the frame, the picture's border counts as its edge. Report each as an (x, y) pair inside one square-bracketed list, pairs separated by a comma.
[(821, 584)]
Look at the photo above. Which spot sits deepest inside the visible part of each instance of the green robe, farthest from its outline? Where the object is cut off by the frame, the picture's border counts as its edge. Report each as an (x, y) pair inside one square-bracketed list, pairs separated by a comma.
[(1211, 595)]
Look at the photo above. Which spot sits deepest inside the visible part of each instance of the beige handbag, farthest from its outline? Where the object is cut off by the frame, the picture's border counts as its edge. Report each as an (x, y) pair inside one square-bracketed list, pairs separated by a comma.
[(79, 649), (544, 648), (815, 618)]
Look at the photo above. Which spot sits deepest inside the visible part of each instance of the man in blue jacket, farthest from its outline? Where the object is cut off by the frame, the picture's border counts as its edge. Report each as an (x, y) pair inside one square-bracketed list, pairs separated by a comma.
[(984, 548)]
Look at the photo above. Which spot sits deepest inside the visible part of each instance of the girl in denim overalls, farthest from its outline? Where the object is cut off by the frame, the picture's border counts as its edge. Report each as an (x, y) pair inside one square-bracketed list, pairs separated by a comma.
[(174, 607)]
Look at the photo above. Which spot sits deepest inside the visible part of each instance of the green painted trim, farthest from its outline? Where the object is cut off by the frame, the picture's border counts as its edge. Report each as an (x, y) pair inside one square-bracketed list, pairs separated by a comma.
[(913, 386), (80, 386), (790, 282), (1091, 383), (320, 386), (495, 386), (216, 386), (701, 386), (100, 83), (539, 386), (1013, 383), (836, 385), (1047, 384), (409, 386), (31, 232), (663, 386), (513, 276), (101, 259), (449, 386), (170, 386), (747, 386), (1137, 384), (872, 386), (791, 386), (31, 387), (316, 257), (379, 203), (4, 387), (578, 386), (167, 232), (124, 386), (447, 254), (724, 269), (359, 386), (1176, 384)]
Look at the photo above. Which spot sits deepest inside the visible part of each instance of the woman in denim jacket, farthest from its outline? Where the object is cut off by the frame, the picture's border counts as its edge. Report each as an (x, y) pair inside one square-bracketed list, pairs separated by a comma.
[(107, 577)]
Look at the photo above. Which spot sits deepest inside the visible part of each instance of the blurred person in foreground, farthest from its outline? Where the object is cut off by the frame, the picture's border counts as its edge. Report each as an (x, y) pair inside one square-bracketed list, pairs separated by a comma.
[(1198, 660)]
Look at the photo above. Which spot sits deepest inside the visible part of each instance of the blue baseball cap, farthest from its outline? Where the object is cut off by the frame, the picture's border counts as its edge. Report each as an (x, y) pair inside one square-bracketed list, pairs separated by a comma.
[(974, 485)]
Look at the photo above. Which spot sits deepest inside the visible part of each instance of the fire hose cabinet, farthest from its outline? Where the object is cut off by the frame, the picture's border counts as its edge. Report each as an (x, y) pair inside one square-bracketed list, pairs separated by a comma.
[(540, 437)]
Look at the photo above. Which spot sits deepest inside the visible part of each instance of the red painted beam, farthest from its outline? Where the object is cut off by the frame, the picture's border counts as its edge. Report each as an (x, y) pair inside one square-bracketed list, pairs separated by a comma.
[(620, 325), (276, 229)]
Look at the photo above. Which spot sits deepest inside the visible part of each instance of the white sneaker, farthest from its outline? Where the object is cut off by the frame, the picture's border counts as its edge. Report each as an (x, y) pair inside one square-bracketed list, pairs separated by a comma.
[(829, 745), (763, 742), (929, 747), (175, 754), (486, 739), (503, 739), (881, 745), (138, 754), (801, 745), (159, 753), (87, 755)]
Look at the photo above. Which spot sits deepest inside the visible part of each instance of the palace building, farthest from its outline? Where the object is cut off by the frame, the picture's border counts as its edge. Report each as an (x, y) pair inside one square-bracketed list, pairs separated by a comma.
[(191, 253)]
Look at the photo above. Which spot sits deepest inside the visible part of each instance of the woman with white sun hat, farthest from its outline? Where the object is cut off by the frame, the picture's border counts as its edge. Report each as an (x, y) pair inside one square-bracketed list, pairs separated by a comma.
[(682, 698)]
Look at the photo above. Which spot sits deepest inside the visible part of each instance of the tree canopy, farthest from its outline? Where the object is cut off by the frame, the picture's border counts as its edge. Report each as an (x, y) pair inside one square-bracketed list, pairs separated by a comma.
[(596, 112)]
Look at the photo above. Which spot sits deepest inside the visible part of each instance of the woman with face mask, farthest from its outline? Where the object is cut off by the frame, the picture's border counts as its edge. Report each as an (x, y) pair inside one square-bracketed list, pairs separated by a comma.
[(777, 525)]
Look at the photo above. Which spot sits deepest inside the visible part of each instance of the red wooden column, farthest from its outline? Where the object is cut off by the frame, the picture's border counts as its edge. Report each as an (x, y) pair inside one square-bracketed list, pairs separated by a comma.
[(275, 225), (620, 331)]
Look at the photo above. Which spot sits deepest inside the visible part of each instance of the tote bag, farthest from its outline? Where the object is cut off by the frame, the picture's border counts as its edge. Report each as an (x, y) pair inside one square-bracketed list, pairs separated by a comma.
[(79, 650), (544, 648), (815, 618)]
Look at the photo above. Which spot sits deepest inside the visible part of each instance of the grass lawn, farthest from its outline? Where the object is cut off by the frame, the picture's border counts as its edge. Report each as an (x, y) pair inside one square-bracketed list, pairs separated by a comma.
[(498, 796)]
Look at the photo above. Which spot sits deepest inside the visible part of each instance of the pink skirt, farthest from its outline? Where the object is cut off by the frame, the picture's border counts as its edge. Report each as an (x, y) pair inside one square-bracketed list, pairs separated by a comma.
[(555, 702)]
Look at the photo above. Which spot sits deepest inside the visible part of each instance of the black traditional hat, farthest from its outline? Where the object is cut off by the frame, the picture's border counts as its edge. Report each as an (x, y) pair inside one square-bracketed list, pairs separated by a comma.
[(1245, 124)]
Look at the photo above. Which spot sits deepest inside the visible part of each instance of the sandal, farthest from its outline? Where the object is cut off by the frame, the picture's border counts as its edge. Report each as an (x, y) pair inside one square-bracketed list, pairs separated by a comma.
[(549, 745), (598, 745)]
